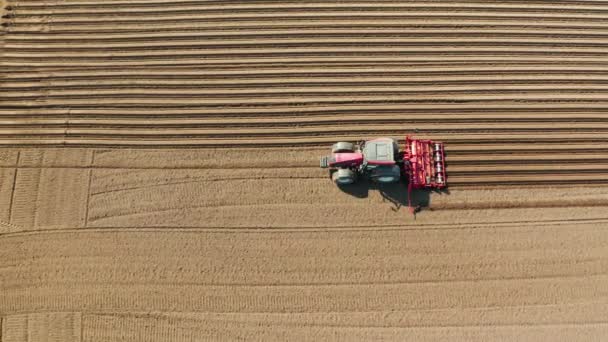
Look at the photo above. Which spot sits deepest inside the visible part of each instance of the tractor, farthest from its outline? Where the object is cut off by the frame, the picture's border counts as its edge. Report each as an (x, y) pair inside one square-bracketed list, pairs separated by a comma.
[(421, 163)]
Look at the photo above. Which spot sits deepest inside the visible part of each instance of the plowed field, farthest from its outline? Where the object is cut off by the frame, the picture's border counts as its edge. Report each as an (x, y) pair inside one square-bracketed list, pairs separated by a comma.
[(159, 174)]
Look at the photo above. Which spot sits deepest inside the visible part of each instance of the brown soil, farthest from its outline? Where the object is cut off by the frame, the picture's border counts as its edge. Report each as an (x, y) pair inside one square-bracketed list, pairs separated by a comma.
[(159, 174)]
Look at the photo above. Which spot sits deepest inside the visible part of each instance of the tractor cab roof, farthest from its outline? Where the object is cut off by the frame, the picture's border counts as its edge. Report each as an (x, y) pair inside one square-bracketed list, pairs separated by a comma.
[(380, 151)]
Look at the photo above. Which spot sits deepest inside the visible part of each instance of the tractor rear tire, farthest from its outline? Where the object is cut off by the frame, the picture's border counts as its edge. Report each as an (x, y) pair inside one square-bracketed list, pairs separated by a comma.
[(386, 179), (387, 175), (343, 147), (343, 176)]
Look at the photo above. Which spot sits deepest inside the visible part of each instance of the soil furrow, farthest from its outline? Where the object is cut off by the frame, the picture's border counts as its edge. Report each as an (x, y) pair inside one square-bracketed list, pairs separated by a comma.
[(142, 17), (17, 37), (102, 122), (294, 141), (312, 84), (190, 60), (176, 73), (264, 42), (413, 24), (193, 7), (316, 50)]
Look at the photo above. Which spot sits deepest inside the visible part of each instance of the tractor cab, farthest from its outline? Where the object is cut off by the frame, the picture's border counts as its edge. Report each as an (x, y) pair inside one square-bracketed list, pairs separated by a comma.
[(380, 160), (382, 151)]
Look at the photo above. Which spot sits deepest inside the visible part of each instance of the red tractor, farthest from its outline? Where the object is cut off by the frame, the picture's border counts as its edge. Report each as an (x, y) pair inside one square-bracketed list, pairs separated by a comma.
[(421, 162)]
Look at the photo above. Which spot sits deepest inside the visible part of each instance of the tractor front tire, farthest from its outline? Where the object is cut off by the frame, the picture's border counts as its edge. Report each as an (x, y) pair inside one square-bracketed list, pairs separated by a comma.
[(343, 177), (343, 147)]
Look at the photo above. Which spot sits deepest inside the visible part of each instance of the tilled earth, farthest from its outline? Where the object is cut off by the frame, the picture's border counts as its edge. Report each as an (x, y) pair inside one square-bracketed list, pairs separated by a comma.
[(159, 172)]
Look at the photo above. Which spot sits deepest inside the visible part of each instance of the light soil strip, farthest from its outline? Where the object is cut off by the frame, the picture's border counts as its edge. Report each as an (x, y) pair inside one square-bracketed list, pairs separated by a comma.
[(343, 326), (46, 198), (531, 268), (42, 327), (281, 188)]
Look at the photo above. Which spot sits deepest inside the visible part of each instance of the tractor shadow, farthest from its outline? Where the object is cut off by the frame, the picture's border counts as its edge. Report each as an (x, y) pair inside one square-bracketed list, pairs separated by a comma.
[(394, 194)]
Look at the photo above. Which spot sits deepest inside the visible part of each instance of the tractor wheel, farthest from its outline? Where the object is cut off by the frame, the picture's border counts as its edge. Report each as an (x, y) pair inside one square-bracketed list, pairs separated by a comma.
[(386, 179), (342, 147), (389, 175), (343, 176)]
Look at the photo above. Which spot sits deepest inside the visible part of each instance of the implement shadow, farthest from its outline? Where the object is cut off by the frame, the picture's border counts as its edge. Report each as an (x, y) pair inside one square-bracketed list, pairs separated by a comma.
[(395, 194)]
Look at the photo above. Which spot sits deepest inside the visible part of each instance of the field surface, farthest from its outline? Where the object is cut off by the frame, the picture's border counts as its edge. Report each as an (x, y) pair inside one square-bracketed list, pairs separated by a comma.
[(159, 174)]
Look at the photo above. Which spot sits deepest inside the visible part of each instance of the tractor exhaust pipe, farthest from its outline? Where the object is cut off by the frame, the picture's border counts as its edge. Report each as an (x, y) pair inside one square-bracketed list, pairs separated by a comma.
[(324, 163)]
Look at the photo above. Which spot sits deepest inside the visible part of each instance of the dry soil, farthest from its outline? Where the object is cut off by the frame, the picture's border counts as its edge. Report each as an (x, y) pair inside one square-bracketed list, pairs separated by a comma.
[(159, 171)]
